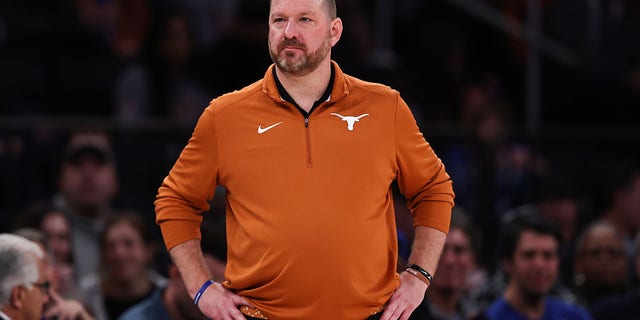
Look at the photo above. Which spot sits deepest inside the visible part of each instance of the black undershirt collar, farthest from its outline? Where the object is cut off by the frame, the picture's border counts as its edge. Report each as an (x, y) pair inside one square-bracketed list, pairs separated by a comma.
[(286, 97)]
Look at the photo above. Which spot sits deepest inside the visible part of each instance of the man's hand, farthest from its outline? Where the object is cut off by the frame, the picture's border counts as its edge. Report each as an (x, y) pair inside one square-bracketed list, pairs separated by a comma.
[(63, 309), (218, 303), (406, 298)]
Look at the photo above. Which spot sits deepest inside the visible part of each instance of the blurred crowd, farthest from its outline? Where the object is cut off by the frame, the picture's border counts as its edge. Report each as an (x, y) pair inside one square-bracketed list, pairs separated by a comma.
[(89, 190)]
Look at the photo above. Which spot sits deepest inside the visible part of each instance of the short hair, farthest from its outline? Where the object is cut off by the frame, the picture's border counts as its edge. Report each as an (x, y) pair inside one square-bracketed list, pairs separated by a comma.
[(128, 217), (460, 220), (32, 234), (517, 225), (18, 264), (329, 5), (584, 235)]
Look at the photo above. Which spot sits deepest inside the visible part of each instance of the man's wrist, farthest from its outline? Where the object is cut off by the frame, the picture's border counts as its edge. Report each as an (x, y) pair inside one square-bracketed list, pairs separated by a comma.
[(419, 273), (201, 291)]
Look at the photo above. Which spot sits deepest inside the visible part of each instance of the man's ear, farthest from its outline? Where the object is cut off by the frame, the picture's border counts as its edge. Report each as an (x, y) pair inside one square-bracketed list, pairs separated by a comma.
[(18, 295), (336, 31)]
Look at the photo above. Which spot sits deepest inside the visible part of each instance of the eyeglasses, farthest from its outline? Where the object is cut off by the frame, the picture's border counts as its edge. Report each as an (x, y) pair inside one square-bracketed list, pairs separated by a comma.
[(43, 286)]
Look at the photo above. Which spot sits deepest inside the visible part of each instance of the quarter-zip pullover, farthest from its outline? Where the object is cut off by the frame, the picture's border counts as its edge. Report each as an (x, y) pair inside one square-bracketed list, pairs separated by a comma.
[(310, 223)]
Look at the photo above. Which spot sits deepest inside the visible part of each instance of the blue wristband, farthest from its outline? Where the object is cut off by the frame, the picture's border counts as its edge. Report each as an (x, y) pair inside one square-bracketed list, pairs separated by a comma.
[(202, 290)]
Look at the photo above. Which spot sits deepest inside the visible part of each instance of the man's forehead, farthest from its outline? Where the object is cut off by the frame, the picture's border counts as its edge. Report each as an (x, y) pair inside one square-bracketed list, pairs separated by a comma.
[(532, 239), (298, 6)]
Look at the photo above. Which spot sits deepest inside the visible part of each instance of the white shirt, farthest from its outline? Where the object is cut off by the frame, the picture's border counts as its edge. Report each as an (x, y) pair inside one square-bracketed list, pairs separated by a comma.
[(4, 316)]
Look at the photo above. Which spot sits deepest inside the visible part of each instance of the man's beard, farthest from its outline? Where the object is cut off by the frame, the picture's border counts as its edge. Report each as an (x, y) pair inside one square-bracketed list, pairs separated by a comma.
[(304, 65)]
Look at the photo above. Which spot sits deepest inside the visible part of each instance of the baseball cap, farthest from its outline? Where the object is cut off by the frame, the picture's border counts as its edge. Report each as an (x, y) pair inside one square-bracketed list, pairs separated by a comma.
[(95, 145)]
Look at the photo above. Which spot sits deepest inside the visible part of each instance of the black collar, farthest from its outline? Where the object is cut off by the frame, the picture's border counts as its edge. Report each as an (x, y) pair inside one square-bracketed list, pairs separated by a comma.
[(286, 97)]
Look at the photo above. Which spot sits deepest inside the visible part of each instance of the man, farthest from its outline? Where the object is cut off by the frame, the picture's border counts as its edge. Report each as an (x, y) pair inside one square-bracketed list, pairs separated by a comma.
[(531, 260), (601, 264), (170, 303), (173, 302), (57, 307), (23, 279), (621, 200), (624, 306), (87, 184), (448, 297), (559, 202), (307, 156)]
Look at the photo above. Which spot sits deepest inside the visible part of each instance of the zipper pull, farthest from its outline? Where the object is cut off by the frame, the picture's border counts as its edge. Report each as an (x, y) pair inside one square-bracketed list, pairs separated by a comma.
[(306, 122)]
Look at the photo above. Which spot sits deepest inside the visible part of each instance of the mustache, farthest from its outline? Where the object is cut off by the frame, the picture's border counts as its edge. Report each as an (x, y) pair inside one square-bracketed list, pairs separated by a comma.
[(291, 43)]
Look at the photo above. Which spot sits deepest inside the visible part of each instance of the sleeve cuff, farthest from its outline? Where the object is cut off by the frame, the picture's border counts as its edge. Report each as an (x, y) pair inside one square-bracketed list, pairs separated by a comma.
[(175, 232)]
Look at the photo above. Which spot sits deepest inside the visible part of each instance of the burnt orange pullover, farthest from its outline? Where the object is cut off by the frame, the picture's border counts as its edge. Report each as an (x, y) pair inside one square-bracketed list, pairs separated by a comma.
[(310, 221)]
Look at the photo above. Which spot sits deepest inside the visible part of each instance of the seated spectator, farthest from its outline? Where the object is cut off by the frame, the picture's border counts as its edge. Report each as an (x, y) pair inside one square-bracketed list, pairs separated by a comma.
[(57, 307), (23, 280), (621, 199), (88, 183), (600, 263), (447, 295), (558, 201), (493, 289), (173, 302), (531, 260), (621, 307), (125, 278), (57, 237)]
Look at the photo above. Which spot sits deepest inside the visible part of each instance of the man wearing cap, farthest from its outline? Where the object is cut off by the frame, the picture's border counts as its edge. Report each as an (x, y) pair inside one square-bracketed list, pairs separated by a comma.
[(87, 185)]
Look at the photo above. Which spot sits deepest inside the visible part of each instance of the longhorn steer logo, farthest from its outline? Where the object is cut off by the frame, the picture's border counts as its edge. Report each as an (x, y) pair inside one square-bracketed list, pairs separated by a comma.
[(351, 120)]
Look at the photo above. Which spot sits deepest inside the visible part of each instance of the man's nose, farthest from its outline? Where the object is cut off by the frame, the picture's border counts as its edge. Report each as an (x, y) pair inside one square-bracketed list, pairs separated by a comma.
[(291, 29)]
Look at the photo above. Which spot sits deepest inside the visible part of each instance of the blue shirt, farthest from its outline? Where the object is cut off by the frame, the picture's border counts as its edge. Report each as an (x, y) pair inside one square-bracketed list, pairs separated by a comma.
[(151, 308), (554, 309)]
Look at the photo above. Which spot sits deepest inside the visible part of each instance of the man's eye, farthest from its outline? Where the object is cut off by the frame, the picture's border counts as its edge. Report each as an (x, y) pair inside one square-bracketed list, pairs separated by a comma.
[(305, 19), (278, 20)]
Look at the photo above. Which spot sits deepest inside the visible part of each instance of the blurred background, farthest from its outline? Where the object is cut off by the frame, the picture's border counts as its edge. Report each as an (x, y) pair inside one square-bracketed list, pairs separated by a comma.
[(520, 98)]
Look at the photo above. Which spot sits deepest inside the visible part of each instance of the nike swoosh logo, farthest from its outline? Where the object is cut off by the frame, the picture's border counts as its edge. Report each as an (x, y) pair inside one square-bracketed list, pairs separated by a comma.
[(262, 130)]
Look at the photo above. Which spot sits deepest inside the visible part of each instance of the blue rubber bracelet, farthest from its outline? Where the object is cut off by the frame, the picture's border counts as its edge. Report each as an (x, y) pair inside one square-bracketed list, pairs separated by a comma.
[(202, 290)]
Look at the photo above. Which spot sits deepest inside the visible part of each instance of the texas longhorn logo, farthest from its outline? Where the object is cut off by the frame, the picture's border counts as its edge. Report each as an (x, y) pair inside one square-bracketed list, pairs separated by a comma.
[(351, 120)]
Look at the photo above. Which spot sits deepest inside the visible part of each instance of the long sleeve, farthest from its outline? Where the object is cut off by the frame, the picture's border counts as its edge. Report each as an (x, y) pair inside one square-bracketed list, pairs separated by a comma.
[(191, 183), (421, 174)]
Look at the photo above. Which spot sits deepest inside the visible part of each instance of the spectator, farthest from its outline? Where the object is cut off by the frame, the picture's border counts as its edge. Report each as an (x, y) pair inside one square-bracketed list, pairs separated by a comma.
[(121, 25), (558, 201), (493, 289), (56, 307), (125, 278), (165, 85), (87, 185), (23, 280), (173, 301), (56, 231), (530, 258), (621, 203), (447, 297), (621, 307), (601, 265)]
